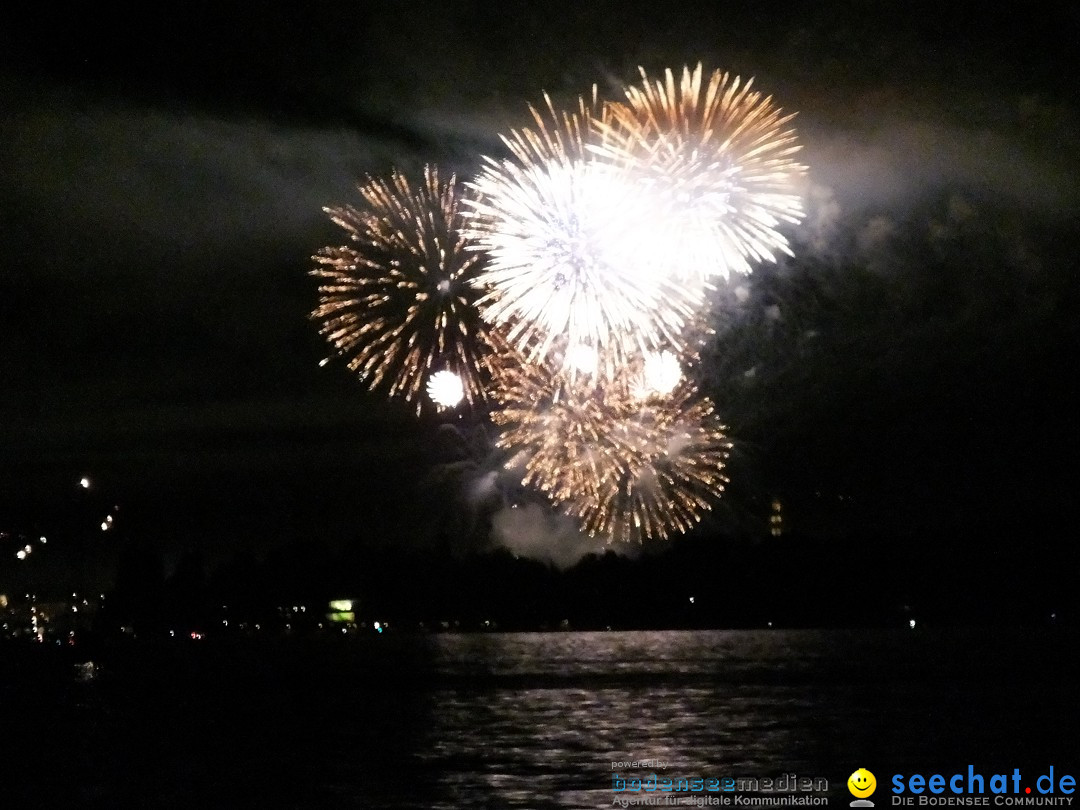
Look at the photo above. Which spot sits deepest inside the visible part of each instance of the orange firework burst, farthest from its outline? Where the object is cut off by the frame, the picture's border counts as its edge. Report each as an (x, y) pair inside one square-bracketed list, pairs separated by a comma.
[(718, 156), (398, 301), (673, 452), (631, 465)]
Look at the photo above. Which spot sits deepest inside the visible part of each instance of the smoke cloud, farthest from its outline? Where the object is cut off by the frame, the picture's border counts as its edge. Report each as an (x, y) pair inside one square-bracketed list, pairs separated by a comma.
[(538, 533)]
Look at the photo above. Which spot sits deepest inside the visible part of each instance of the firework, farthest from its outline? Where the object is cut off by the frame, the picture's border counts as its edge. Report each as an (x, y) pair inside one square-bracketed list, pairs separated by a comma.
[(569, 289), (672, 459), (399, 300), (717, 157), (445, 389), (564, 234), (628, 468), (554, 427), (661, 373)]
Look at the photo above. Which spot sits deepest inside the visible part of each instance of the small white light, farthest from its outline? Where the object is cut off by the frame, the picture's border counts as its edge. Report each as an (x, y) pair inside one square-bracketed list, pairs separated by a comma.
[(582, 357), (84, 483), (662, 372), (445, 389), (911, 624)]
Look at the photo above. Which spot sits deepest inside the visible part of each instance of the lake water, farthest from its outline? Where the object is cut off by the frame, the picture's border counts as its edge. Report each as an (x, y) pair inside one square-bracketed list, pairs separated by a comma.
[(530, 719)]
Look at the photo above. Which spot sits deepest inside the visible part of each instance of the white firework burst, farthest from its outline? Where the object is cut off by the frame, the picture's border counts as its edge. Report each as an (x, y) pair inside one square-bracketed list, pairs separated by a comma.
[(565, 233), (445, 389)]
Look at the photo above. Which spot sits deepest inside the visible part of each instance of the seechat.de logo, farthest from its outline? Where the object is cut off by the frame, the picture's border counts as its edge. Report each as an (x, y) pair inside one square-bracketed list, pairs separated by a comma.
[(978, 789)]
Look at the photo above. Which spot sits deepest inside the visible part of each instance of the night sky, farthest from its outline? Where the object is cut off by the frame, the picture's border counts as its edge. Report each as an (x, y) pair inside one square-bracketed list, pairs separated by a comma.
[(909, 378)]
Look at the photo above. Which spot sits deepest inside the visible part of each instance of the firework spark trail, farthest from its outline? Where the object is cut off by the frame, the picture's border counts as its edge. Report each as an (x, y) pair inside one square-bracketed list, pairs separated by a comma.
[(399, 301), (564, 234), (719, 158)]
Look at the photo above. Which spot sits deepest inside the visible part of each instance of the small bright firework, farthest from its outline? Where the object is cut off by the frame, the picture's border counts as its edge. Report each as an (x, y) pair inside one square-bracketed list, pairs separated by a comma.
[(399, 301), (718, 157), (445, 389), (627, 468), (661, 373), (564, 234)]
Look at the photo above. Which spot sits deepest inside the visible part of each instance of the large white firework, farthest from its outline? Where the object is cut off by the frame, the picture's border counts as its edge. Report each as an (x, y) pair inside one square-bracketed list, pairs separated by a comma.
[(565, 235)]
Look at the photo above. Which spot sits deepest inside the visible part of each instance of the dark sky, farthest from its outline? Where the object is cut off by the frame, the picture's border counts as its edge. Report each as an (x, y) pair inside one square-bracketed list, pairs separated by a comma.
[(163, 179)]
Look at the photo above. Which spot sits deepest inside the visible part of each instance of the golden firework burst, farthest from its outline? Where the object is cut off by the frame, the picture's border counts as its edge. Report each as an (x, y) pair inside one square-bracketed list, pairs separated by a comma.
[(718, 157), (399, 300), (630, 464)]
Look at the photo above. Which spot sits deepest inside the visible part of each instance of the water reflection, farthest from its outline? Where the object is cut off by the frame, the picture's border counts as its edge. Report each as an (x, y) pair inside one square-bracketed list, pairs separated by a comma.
[(534, 719), (517, 717)]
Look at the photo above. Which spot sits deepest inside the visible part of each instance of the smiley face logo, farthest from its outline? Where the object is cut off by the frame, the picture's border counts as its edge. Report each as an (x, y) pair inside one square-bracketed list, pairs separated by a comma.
[(861, 783)]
